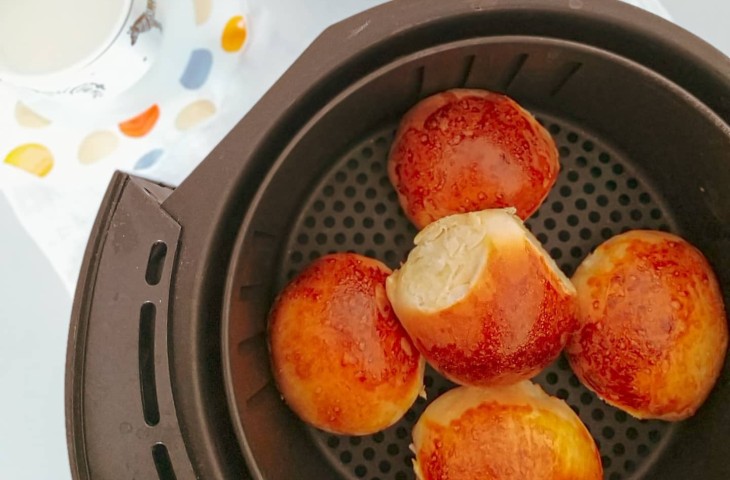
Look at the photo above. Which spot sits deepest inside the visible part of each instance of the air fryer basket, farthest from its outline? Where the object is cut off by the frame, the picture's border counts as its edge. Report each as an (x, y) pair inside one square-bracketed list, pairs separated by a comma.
[(168, 372), (637, 151)]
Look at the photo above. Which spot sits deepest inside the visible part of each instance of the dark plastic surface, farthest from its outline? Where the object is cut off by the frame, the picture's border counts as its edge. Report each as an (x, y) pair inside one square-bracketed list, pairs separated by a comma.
[(653, 94), (609, 101), (120, 409)]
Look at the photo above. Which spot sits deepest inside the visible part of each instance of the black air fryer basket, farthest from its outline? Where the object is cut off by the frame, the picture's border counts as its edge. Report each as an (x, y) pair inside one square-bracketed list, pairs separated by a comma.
[(168, 372)]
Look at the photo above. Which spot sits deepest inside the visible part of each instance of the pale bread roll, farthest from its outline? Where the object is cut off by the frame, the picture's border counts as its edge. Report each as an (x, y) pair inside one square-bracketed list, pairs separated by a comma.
[(514, 432), (465, 150), (653, 332), (341, 359), (482, 300)]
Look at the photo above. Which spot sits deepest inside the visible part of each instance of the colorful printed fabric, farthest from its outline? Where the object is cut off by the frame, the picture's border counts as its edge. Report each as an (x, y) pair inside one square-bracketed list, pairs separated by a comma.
[(229, 55)]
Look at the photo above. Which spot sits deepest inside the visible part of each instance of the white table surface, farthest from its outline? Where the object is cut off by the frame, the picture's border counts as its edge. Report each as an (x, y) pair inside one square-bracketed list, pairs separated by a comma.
[(33, 331)]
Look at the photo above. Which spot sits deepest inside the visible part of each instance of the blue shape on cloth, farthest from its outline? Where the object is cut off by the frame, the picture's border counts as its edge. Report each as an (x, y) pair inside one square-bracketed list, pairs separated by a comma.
[(197, 70), (148, 159)]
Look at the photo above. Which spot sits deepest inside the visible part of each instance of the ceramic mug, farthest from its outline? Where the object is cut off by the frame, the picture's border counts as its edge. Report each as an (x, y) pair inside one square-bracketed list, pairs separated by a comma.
[(80, 55)]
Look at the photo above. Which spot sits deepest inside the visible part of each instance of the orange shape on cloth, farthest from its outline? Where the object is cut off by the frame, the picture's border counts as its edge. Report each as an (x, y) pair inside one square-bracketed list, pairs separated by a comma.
[(234, 34), (141, 125), (32, 157)]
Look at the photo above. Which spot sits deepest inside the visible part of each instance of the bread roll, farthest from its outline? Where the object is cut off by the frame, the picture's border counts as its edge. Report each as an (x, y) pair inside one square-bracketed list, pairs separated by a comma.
[(467, 150), (341, 359), (482, 300), (653, 332), (514, 432)]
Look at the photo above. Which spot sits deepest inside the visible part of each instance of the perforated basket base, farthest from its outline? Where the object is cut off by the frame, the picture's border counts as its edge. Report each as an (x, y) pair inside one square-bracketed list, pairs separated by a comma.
[(598, 194)]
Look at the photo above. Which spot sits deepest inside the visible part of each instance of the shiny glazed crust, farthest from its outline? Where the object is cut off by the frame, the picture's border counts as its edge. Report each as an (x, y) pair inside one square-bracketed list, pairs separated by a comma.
[(653, 331), (514, 432), (341, 359), (504, 320), (467, 150)]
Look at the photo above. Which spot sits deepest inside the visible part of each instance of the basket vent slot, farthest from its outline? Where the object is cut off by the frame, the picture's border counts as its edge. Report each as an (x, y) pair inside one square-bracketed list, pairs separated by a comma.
[(147, 382), (162, 462), (468, 65), (571, 70), (519, 62), (420, 78), (156, 262)]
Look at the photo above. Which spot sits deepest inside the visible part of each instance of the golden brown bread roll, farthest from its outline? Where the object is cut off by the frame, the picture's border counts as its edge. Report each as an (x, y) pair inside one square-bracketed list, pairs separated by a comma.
[(482, 300), (514, 432), (653, 332), (467, 150), (341, 359)]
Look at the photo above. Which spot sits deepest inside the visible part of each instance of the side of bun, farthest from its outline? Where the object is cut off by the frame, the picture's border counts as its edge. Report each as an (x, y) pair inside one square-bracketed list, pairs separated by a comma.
[(514, 432)]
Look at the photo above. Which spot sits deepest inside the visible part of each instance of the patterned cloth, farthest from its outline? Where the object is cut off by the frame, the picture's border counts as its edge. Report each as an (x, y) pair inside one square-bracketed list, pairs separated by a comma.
[(56, 167)]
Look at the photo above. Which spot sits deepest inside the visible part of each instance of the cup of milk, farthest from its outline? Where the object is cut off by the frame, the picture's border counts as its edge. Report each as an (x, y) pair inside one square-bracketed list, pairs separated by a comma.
[(77, 50)]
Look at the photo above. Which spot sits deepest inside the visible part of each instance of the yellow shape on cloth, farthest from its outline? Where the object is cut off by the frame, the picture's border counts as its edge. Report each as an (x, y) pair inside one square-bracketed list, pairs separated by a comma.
[(234, 34), (194, 113), (202, 10), (97, 145), (32, 157), (28, 118)]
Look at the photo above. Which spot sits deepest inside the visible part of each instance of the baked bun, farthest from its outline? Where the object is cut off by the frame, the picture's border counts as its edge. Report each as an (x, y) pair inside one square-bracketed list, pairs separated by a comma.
[(341, 359), (482, 300), (514, 432), (653, 332), (467, 150)]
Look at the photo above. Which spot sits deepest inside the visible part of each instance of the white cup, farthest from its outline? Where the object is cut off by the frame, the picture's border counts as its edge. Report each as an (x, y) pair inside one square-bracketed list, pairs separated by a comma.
[(78, 51)]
